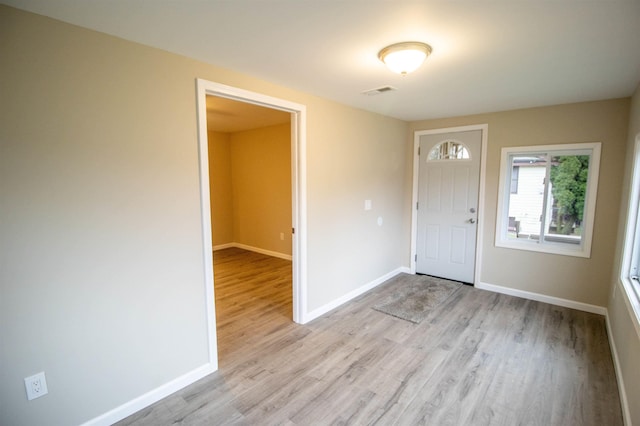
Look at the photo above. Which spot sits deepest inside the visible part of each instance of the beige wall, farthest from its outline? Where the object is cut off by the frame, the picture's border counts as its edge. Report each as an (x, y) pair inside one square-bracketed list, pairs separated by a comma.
[(624, 324), (566, 277), (261, 179), (360, 157), (101, 224), (250, 175), (221, 192)]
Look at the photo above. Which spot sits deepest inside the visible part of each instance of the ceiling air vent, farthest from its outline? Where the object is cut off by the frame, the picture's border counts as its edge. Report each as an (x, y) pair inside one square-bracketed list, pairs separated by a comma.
[(379, 90)]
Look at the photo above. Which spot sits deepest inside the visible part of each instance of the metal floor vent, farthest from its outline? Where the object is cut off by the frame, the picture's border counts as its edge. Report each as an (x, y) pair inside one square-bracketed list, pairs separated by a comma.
[(379, 90)]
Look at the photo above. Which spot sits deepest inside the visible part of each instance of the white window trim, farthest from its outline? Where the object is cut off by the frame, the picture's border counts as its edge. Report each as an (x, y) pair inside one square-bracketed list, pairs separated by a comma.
[(584, 249), (632, 238)]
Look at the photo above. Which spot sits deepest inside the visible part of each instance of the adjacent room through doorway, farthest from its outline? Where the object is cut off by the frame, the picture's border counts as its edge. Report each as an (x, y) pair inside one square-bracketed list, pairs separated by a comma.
[(251, 220)]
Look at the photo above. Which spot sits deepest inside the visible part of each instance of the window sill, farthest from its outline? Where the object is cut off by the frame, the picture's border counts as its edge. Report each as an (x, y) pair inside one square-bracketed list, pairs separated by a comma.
[(549, 248)]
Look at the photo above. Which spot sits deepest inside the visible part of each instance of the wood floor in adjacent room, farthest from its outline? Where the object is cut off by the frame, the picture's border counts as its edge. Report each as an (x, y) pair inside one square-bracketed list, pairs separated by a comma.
[(480, 358)]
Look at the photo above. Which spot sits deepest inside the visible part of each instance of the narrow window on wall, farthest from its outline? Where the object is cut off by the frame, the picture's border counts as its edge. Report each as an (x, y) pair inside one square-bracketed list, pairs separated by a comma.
[(631, 255), (547, 198), (633, 271)]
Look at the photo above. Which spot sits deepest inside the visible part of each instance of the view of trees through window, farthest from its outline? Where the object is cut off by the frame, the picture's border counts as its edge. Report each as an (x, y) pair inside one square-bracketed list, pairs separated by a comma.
[(568, 177)]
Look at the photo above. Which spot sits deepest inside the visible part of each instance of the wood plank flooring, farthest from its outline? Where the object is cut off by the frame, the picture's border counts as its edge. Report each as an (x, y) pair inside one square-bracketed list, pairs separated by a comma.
[(480, 358), (253, 295)]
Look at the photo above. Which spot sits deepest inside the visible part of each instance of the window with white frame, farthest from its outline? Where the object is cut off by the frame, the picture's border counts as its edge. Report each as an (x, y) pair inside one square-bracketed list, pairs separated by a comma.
[(631, 255), (547, 198)]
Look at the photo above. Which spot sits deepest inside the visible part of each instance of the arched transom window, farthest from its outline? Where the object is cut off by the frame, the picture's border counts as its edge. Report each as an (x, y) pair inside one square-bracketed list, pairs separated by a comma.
[(449, 150)]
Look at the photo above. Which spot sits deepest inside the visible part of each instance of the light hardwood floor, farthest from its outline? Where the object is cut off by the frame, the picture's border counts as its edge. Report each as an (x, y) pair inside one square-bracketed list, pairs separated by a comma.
[(480, 358)]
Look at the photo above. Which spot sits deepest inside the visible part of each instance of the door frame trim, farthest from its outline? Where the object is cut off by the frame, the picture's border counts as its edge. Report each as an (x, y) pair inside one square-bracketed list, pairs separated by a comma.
[(484, 128), (298, 196)]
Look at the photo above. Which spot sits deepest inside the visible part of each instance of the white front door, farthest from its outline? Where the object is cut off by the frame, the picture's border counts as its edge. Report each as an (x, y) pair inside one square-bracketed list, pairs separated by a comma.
[(448, 185)]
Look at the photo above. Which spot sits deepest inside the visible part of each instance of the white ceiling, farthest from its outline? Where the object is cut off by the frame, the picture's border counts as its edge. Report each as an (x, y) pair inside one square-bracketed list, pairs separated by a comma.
[(487, 55)]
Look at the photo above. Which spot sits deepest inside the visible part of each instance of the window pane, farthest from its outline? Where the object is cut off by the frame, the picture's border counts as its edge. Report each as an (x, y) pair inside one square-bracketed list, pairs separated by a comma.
[(449, 150), (525, 206), (568, 178)]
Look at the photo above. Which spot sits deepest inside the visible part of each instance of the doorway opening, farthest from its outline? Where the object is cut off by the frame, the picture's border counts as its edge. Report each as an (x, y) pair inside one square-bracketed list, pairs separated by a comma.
[(250, 186), (276, 130)]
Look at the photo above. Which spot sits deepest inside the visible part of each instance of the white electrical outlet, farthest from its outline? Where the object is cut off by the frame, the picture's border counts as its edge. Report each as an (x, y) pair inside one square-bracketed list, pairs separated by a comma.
[(36, 386)]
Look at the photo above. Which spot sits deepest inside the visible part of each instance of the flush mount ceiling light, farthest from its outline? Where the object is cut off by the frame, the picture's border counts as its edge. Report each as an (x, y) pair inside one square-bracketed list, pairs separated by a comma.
[(405, 57)]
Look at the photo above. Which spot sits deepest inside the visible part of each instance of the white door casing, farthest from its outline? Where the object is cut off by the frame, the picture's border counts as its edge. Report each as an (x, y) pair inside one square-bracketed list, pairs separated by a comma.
[(447, 204), (299, 209)]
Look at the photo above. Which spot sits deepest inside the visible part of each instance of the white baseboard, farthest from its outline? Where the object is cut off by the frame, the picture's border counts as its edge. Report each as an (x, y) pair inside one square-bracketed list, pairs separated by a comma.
[(594, 309), (626, 413), (254, 249), (309, 316), (151, 397)]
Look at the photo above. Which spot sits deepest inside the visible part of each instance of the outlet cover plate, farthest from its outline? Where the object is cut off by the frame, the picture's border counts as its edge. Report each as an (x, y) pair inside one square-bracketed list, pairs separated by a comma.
[(36, 386)]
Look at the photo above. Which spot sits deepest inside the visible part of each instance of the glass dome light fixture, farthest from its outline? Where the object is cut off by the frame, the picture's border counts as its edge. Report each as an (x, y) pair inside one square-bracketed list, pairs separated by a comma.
[(405, 57)]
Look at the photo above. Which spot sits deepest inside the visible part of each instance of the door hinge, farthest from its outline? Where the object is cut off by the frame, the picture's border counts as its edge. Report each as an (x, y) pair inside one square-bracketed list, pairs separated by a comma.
[(415, 257), (293, 230), (418, 150), (418, 206)]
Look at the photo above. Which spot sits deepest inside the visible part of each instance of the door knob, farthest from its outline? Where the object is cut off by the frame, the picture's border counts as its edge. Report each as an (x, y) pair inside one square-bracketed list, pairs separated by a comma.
[(472, 220)]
